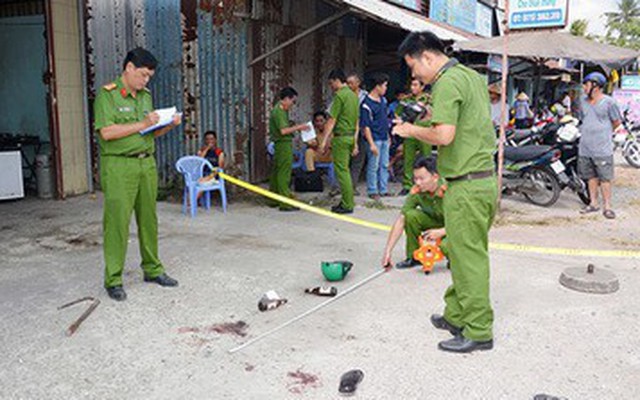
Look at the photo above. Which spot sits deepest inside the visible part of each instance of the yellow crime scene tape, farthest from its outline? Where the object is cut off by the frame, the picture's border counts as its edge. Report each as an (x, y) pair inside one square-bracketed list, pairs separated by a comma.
[(386, 228)]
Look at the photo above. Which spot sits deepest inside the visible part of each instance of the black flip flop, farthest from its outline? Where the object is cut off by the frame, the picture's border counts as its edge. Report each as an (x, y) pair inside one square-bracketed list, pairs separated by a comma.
[(349, 382)]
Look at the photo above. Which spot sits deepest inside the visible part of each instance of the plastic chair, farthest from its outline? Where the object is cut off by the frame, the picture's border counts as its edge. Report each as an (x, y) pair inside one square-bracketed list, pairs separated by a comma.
[(192, 168)]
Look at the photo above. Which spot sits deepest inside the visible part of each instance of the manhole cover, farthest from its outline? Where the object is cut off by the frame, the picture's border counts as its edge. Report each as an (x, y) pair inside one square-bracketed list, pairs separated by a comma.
[(589, 280)]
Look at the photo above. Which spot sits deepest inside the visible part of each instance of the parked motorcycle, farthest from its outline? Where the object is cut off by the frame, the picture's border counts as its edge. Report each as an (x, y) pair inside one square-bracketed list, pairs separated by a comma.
[(529, 171), (567, 140), (627, 138)]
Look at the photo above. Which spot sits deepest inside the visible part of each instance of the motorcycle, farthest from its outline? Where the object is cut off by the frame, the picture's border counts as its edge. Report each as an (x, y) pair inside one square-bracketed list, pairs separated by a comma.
[(566, 139), (626, 138), (529, 171)]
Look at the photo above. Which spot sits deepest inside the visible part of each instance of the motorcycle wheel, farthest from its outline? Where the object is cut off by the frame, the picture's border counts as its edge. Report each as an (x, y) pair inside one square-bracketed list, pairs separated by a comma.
[(631, 153), (549, 186)]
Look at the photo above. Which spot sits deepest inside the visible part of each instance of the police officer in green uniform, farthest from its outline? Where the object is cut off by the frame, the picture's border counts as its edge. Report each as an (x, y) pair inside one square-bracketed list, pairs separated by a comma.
[(411, 146), (282, 136), (341, 130), (128, 173), (461, 127), (421, 215)]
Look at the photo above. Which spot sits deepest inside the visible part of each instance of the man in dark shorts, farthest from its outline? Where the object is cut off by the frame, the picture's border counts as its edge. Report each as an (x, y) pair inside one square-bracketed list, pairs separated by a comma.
[(600, 117)]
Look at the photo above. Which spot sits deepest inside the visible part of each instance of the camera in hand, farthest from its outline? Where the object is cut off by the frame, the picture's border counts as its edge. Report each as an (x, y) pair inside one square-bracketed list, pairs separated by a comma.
[(412, 111)]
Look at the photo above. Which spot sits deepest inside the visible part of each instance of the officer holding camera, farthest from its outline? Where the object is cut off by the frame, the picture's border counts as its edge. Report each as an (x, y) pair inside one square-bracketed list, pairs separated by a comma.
[(461, 127), (414, 108)]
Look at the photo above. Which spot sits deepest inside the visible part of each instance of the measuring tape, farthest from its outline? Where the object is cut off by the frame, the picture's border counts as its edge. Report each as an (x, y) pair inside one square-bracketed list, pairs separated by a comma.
[(386, 228)]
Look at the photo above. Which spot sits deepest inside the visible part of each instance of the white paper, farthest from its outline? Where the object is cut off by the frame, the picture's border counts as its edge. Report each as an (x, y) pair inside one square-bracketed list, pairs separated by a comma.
[(309, 135), (166, 117)]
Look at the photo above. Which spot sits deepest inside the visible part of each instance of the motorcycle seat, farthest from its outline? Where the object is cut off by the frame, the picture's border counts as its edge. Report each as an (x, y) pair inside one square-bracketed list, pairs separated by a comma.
[(520, 134), (525, 153)]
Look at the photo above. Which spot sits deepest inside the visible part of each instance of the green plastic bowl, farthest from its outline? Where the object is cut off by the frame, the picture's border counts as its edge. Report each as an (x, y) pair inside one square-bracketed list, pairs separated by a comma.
[(335, 270)]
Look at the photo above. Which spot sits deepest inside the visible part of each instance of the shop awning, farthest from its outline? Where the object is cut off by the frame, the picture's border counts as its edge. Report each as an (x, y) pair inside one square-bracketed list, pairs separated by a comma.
[(554, 44), (396, 16), (377, 10)]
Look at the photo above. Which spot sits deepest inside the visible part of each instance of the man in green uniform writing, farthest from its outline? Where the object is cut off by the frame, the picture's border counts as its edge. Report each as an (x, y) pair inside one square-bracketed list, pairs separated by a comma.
[(461, 128), (341, 130), (128, 173), (411, 146), (421, 214), (282, 136)]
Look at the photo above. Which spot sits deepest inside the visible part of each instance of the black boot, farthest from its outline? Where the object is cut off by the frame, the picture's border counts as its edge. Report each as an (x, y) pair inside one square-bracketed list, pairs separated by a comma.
[(117, 293), (461, 344), (440, 323), (162, 280), (408, 263)]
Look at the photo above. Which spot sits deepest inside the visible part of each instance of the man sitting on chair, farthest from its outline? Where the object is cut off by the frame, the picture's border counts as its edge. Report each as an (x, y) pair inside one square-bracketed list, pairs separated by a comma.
[(312, 155)]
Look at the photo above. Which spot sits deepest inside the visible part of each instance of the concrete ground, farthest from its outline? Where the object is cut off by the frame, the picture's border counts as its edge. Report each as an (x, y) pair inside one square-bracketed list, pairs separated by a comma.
[(168, 344)]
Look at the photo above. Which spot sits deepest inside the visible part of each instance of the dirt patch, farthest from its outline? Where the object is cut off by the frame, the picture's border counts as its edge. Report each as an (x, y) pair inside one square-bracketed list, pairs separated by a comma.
[(635, 203), (227, 328), (82, 241), (248, 367), (627, 177), (302, 381), (630, 243), (245, 241), (510, 220), (379, 205)]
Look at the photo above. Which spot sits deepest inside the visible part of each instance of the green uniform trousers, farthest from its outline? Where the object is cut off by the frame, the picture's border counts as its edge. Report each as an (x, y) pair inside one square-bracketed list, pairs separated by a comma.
[(129, 184), (410, 147), (280, 180), (469, 208), (341, 149), (415, 223)]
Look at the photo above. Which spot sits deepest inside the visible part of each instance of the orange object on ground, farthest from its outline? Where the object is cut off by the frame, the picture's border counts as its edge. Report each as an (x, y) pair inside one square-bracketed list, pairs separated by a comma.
[(428, 253)]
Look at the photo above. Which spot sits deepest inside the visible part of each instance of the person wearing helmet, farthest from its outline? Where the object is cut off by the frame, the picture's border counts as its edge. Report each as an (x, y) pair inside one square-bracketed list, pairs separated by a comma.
[(600, 117)]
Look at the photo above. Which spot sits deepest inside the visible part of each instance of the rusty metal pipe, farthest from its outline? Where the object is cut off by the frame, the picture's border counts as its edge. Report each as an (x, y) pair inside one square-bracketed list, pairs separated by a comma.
[(74, 327)]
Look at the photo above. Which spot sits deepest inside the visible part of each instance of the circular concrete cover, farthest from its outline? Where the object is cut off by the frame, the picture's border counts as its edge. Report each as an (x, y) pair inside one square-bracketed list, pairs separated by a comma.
[(589, 280)]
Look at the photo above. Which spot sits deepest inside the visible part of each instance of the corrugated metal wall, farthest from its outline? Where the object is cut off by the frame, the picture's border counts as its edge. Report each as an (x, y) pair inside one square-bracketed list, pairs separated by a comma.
[(204, 47), (202, 68), (224, 91), (303, 65)]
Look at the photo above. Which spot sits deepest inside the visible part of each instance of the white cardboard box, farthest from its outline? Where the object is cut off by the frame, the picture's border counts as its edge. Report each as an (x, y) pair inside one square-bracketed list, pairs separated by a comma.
[(11, 184)]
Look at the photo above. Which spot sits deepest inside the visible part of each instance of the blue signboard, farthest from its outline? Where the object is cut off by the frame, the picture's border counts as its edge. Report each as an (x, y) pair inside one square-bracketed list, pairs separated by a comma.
[(411, 4), (484, 20), (458, 13), (531, 14), (630, 82)]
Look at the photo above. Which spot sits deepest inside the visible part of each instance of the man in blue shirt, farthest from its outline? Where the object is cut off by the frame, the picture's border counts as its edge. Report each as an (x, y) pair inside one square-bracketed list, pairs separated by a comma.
[(374, 125)]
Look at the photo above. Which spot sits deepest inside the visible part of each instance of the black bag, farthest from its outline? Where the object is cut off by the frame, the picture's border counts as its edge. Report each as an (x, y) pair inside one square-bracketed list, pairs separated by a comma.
[(304, 181)]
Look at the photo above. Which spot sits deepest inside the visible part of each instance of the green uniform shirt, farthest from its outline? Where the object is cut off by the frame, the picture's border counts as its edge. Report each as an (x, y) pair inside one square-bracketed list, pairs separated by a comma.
[(278, 120), (429, 203), (114, 105), (460, 98), (345, 110), (424, 98)]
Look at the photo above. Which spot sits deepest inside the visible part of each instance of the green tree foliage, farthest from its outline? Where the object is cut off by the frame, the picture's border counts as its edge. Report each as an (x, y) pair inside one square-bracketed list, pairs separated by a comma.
[(623, 25), (579, 27)]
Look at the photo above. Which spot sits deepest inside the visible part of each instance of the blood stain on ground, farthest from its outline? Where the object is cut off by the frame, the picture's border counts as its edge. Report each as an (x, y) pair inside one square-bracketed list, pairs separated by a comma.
[(233, 328), (302, 381)]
